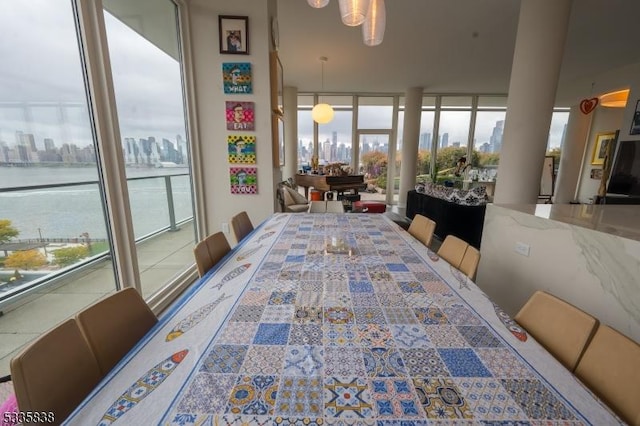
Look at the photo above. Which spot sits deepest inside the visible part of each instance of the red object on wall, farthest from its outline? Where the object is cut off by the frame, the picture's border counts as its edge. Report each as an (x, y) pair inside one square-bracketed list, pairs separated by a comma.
[(588, 105)]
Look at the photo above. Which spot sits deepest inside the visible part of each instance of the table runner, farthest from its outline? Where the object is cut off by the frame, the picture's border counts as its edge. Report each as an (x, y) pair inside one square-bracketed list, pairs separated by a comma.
[(283, 332)]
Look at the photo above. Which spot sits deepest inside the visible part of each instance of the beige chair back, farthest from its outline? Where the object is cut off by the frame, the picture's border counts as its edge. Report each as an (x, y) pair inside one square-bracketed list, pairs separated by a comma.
[(563, 329), (241, 225), (422, 229), (55, 372), (470, 261), (610, 367), (317, 207), (335, 206), (113, 325), (452, 250), (209, 251)]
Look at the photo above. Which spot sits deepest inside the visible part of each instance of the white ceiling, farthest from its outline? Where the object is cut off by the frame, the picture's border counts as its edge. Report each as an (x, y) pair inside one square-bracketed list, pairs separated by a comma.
[(451, 46)]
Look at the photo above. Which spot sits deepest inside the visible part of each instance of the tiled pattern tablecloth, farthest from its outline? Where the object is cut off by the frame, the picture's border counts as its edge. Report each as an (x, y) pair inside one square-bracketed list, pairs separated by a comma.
[(284, 333)]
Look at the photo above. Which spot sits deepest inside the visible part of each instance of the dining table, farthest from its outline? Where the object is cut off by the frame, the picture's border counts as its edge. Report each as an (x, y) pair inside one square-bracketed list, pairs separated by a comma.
[(337, 319)]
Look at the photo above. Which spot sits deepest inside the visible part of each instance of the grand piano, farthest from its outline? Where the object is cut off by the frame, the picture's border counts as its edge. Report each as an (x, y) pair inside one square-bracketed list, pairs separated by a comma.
[(324, 183)]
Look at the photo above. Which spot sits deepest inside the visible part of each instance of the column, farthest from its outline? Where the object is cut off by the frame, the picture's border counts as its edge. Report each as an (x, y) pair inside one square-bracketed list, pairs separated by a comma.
[(573, 146), (542, 30), (410, 141), (290, 132)]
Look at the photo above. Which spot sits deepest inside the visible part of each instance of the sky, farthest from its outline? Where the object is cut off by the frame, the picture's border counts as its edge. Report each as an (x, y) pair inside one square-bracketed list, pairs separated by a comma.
[(41, 66)]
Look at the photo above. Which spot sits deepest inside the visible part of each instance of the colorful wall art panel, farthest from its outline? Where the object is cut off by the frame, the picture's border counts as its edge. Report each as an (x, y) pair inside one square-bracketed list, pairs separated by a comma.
[(236, 78), (240, 115), (244, 180), (242, 149)]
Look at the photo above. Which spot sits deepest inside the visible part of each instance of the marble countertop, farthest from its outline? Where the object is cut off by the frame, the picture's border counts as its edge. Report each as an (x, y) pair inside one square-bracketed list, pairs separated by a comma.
[(620, 220)]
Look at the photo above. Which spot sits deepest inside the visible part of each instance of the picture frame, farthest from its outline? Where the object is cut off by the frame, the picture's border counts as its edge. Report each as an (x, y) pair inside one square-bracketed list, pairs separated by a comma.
[(277, 129), (635, 121), (600, 147), (596, 174), (276, 83), (236, 78), (233, 32)]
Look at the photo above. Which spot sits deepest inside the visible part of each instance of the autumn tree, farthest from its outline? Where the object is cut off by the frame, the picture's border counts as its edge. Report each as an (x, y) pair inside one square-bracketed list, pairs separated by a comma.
[(69, 255), (25, 259), (374, 163), (7, 232)]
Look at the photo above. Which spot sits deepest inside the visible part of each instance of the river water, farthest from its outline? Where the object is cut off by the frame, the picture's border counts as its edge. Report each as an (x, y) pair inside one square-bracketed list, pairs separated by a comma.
[(70, 211)]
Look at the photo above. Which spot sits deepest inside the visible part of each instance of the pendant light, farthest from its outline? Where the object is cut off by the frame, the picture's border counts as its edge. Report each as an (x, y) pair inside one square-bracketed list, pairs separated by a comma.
[(353, 12), (322, 113), (318, 4), (374, 24)]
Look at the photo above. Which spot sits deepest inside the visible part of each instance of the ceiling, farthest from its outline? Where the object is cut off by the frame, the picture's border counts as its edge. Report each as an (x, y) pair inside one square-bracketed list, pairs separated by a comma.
[(451, 46)]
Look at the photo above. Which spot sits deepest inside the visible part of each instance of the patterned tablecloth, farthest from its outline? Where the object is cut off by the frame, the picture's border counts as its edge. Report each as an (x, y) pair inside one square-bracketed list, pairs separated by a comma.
[(380, 333)]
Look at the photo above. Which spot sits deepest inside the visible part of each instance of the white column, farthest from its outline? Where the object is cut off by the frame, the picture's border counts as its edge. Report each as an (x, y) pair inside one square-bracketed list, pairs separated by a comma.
[(410, 141), (571, 160), (290, 132), (542, 30)]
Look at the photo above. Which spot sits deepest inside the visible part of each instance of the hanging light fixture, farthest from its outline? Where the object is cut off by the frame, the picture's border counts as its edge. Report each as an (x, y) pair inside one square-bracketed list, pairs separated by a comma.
[(353, 12), (374, 25), (322, 113), (615, 99), (318, 4)]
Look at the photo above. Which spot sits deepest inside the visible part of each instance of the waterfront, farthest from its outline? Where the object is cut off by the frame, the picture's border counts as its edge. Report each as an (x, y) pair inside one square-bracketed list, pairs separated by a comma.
[(68, 212)]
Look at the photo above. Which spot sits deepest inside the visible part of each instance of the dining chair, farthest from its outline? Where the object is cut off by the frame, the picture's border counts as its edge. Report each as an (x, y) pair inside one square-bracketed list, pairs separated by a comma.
[(317, 207), (422, 229), (609, 367), (452, 250), (335, 207), (209, 251), (470, 261), (563, 329), (55, 372), (113, 325), (241, 225)]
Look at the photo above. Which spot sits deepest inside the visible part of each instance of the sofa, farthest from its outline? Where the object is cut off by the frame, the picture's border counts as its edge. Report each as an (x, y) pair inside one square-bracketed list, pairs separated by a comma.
[(456, 211)]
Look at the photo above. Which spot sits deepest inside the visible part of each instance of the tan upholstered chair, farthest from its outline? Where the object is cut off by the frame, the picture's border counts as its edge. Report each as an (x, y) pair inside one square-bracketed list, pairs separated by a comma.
[(113, 325), (610, 367), (317, 207), (452, 250), (335, 206), (292, 201), (241, 225), (470, 261), (422, 229), (563, 329), (55, 372), (209, 251)]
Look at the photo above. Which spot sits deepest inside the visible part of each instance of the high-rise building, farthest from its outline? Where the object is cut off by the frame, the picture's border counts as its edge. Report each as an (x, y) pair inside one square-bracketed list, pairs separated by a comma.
[(425, 141), (445, 140), (495, 141)]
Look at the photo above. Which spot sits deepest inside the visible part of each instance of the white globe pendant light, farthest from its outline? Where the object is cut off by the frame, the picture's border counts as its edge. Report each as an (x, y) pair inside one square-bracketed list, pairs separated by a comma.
[(353, 12), (322, 113)]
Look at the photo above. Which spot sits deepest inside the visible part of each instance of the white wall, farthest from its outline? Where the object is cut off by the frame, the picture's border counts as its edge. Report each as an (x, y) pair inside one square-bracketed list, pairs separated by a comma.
[(220, 204)]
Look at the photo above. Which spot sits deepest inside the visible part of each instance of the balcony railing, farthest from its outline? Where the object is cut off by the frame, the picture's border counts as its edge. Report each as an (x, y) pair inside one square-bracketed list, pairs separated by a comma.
[(159, 203)]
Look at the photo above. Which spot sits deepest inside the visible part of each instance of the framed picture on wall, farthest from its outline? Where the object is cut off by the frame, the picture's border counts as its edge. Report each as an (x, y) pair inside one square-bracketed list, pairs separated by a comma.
[(600, 147), (233, 32), (635, 121)]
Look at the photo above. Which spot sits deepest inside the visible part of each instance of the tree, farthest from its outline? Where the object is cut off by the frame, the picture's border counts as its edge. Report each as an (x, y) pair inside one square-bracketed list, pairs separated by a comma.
[(69, 255), (7, 232), (25, 259), (374, 163)]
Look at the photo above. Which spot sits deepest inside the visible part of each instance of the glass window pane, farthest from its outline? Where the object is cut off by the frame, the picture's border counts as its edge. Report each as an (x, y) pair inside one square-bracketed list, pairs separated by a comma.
[(334, 138), (46, 141), (557, 133), (375, 112), (456, 102), (428, 102), (424, 146), (148, 89), (305, 138), (452, 143), (374, 150), (492, 102), (487, 144)]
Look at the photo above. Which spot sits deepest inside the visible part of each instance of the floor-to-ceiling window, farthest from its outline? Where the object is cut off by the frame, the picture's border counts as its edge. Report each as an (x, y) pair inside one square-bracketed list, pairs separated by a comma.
[(51, 210), (487, 139), (145, 63)]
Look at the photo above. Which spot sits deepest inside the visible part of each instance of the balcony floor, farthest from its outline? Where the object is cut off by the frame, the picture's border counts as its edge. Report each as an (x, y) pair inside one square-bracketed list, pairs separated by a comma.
[(159, 258)]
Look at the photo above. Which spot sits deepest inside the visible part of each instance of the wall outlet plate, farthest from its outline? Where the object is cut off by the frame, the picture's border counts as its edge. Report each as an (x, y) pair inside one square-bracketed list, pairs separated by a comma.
[(225, 227), (522, 248)]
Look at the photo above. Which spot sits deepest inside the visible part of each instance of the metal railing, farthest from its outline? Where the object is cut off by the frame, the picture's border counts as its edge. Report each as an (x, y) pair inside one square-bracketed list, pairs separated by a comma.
[(13, 291)]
